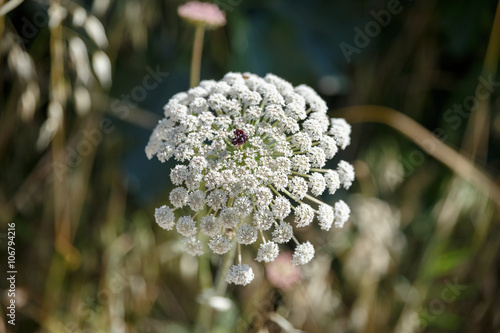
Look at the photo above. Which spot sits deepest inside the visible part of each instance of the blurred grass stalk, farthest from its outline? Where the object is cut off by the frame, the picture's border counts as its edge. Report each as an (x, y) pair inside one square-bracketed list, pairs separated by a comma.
[(2, 21), (454, 160), (58, 95), (61, 195), (6, 7)]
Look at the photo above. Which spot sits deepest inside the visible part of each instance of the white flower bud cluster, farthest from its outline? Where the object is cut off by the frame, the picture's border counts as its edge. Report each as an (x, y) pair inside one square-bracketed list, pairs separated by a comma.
[(251, 152)]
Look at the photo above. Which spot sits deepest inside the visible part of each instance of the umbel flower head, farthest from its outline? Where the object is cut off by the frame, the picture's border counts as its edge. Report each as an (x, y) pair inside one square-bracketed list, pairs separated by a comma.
[(251, 153)]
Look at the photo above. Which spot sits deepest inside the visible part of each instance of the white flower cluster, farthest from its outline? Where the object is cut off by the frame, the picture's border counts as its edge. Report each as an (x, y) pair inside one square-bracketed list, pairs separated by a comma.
[(251, 152)]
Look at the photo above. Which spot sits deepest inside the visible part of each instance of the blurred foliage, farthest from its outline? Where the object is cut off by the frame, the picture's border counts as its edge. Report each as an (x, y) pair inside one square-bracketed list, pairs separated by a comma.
[(421, 252)]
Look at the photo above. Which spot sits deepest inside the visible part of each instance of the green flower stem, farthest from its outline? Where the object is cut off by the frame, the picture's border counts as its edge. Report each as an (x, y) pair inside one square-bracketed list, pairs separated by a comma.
[(239, 254), (253, 203), (205, 314), (205, 278), (313, 199), (292, 197), (274, 190), (197, 52), (301, 174), (319, 170), (262, 235), (204, 273), (220, 282)]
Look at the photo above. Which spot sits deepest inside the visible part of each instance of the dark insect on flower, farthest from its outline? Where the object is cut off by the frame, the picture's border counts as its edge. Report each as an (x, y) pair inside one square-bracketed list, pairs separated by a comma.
[(239, 138)]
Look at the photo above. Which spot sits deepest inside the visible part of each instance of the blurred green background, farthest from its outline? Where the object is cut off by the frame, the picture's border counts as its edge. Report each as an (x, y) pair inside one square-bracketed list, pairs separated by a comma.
[(421, 251)]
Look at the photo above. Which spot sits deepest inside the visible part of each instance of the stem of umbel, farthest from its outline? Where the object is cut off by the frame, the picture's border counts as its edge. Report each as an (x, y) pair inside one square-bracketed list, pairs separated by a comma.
[(197, 52), (205, 312)]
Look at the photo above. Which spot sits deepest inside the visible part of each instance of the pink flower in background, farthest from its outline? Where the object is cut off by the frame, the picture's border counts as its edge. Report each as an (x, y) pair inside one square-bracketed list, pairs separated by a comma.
[(202, 13), (282, 273)]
